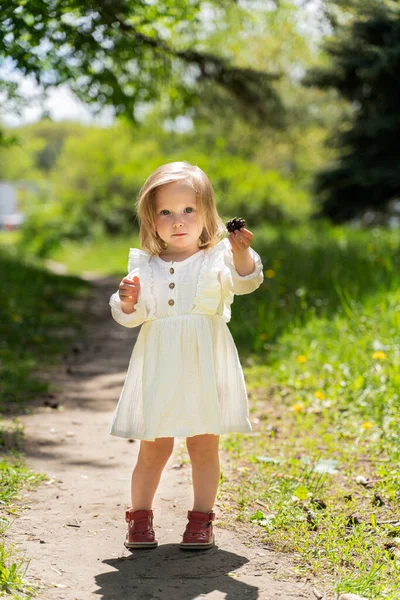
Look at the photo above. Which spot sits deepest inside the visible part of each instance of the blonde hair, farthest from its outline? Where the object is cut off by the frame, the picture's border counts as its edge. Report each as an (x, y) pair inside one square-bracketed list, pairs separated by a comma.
[(194, 177)]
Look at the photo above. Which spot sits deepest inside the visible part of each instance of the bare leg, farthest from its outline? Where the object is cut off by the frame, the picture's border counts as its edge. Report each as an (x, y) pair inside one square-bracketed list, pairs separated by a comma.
[(203, 452), (152, 458)]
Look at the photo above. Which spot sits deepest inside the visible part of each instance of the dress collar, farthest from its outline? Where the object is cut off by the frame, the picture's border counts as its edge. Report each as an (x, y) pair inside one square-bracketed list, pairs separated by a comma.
[(179, 262)]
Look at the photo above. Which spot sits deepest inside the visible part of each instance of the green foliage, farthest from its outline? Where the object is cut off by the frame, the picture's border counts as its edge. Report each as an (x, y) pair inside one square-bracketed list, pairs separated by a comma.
[(103, 255), (14, 476), (17, 160), (243, 188), (256, 169), (98, 175), (315, 272), (11, 579), (126, 54), (283, 41), (323, 387), (328, 389), (35, 325), (365, 61), (34, 149), (6, 140)]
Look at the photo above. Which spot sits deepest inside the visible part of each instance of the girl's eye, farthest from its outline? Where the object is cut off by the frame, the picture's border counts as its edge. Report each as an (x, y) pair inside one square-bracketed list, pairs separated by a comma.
[(165, 210)]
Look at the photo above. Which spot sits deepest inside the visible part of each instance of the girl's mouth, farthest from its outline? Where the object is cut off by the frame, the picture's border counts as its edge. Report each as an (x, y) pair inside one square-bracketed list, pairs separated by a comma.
[(179, 234)]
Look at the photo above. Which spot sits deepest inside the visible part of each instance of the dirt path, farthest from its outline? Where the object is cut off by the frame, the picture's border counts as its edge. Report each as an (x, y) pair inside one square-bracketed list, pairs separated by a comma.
[(73, 527)]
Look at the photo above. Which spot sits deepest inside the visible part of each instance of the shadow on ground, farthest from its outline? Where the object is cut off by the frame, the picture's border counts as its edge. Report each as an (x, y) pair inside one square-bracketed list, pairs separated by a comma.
[(174, 573)]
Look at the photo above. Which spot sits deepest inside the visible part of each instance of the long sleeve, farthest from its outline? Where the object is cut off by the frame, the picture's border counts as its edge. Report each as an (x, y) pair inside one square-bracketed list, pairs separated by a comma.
[(137, 265), (128, 320), (244, 284)]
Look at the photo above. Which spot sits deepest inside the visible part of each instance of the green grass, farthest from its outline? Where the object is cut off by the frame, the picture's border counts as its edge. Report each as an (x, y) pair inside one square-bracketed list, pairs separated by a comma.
[(324, 390), (320, 350), (15, 477), (106, 256), (103, 255), (318, 426), (37, 324), (313, 272)]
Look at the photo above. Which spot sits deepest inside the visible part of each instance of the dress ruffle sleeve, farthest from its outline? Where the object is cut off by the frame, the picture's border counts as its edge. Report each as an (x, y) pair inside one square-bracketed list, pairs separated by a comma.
[(218, 281), (242, 284), (208, 293), (138, 264)]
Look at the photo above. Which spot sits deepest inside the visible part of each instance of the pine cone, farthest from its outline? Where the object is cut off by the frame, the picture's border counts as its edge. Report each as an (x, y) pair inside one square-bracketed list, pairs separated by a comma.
[(235, 223)]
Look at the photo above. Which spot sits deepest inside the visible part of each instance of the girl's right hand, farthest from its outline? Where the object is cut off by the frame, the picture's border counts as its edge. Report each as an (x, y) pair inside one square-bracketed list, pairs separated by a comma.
[(129, 289)]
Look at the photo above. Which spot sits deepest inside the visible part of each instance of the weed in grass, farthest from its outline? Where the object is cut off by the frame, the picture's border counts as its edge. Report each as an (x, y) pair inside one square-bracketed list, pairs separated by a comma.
[(329, 431), (366, 584), (12, 574), (14, 475)]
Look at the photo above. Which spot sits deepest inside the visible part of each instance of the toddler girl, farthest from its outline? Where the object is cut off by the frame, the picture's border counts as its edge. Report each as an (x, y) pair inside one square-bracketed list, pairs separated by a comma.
[(184, 377)]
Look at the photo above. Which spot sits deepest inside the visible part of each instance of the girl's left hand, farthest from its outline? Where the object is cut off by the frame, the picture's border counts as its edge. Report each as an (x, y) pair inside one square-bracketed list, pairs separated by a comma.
[(240, 240)]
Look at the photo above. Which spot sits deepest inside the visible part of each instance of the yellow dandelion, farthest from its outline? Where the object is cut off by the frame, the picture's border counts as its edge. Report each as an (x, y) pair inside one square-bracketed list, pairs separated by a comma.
[(320, 395), (37, 338), (263, 336), (367, 425), (379, 355), (16, 318), (269, 273), (301, 358), (298, 407)]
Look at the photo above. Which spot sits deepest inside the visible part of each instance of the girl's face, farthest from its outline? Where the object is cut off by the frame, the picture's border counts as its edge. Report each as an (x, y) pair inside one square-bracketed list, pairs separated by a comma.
[(176, 213)]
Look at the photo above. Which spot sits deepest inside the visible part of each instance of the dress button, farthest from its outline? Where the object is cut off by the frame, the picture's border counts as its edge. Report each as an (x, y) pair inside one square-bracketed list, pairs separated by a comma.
[(172, 285), (172, 270), (171, 302)]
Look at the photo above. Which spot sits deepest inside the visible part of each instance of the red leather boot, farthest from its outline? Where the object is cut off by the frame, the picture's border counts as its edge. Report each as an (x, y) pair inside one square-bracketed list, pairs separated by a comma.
[(140, 529), (199, 531)]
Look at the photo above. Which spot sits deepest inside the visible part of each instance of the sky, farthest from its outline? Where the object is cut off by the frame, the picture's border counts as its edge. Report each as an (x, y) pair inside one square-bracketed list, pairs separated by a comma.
[(61, 105)]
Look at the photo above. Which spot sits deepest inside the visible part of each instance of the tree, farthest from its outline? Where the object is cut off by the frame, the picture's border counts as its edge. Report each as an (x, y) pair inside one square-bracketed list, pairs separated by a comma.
[(281, 40), (127, 53), (365, 63)]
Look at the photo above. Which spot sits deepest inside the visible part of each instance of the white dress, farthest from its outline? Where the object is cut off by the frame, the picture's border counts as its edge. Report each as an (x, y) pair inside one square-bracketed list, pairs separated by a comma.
[(184, 376)]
